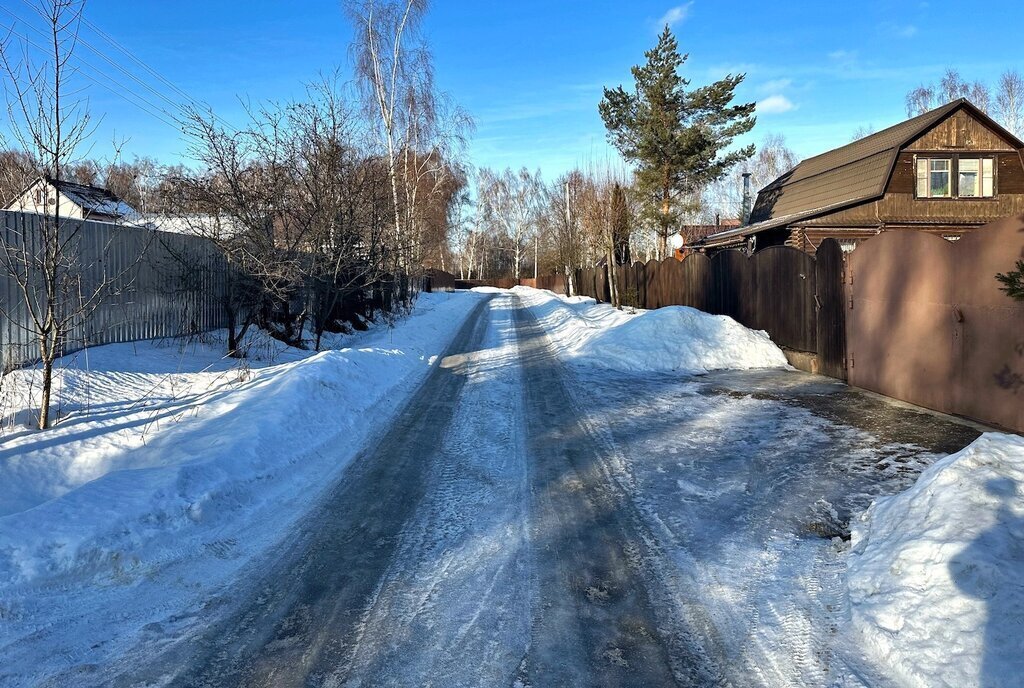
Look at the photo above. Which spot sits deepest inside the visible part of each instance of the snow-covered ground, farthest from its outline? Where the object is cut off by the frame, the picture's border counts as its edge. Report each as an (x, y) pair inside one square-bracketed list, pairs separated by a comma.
[(937, 572), (656, 488), (173, 466), (675, 338), (749, 489)]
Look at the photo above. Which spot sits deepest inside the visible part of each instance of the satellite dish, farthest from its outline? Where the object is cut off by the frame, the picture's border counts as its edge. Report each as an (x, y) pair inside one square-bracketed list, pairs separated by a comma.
[(676, 241)]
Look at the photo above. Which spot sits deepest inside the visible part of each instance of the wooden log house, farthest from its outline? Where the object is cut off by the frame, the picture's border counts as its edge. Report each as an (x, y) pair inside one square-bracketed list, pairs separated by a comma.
[(946, 172)]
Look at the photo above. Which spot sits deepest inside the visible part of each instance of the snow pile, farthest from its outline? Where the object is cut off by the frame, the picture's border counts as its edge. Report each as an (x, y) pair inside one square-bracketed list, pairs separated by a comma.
[(180, 445), (936, 573), (674, 338)]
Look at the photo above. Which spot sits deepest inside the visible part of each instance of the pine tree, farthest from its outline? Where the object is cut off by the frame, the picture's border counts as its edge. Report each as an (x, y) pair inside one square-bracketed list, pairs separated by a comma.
[(1013, 282), (678, 138)]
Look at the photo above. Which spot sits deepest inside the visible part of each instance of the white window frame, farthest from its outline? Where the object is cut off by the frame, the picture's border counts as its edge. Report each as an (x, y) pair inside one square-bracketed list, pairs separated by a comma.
[(986, 185)]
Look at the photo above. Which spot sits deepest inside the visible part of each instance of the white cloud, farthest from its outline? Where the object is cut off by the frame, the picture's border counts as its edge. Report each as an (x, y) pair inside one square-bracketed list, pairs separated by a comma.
[(675, 15), (774, 105), (898, 30), (775, 85)]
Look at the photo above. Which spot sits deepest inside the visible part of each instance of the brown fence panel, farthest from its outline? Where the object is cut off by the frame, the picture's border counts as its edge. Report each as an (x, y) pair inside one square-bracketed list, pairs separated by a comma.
[(438, 280), (733, 288), (587, 283), (661, 276), (646, 274), (626, 285), (900, 324), (554, 283), (831, 305), (601, 292), (697, 286), (988, 343), (785, 289)]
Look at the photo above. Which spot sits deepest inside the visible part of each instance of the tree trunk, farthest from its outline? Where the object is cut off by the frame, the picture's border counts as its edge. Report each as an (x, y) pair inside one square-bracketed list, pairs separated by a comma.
[(613, 281), (666, 208), (44, 409)]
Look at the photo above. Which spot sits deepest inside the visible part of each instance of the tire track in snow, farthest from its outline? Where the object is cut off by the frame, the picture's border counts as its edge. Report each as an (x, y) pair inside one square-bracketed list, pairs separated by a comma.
[(453, 607), (296, 622), (594, 623)]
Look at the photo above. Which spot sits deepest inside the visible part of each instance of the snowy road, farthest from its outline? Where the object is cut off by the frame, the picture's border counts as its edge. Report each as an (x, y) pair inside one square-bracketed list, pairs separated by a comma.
[(528, 523)]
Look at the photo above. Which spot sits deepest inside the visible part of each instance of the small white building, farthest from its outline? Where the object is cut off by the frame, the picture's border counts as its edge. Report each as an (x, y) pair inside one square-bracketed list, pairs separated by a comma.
[(77, 201)]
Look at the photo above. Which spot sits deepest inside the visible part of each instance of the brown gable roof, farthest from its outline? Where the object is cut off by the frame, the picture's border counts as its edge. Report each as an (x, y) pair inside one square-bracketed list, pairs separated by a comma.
[(848, 175)]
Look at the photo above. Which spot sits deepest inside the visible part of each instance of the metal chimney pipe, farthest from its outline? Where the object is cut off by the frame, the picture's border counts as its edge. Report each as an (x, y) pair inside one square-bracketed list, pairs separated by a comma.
[(746, 199)]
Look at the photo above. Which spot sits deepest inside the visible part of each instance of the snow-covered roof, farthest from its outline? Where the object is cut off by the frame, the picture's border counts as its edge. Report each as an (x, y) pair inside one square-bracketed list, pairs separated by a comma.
[(195, 224), (94, 200)]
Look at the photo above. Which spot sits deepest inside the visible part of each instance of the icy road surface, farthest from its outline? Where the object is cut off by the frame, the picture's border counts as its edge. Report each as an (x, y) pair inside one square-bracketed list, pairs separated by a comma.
[(527, 523)]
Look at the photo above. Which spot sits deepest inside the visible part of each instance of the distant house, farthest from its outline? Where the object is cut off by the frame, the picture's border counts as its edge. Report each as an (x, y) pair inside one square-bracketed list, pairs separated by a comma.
[(694, 233), (947, 172), (78, 201)]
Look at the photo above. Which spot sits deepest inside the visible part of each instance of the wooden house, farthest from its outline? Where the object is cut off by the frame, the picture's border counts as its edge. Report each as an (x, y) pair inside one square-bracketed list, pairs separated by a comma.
[(948, 171)]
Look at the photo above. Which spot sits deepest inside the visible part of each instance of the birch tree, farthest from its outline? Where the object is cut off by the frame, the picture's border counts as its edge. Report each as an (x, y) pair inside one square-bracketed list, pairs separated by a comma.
[(1009, 102), (512, 201)]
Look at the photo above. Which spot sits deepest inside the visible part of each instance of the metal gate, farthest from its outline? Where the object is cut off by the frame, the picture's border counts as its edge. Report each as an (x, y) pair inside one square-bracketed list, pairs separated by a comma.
[(928, 324)]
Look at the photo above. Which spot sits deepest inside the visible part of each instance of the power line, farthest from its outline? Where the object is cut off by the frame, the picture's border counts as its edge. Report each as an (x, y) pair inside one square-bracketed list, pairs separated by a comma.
[(146, 106), (174, 104), (120, 47)]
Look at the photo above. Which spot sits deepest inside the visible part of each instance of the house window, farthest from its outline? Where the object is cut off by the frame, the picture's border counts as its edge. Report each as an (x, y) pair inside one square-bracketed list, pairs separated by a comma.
[(40, 196), (955, 177), (968, 180), (988, 178), (933, 177)]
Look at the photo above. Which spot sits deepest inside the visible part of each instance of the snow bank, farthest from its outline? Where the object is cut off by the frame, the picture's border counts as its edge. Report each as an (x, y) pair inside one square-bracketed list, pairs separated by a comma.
[(178, 445), (675, 338), (936, 573)]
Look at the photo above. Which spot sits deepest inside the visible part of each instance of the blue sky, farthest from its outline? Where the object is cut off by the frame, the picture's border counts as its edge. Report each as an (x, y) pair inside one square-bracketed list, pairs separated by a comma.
[(531, 72)]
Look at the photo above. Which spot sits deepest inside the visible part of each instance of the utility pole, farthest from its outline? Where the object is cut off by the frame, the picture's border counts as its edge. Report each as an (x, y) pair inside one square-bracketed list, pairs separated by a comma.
[(572, 238), (536, 254), (568, 210)]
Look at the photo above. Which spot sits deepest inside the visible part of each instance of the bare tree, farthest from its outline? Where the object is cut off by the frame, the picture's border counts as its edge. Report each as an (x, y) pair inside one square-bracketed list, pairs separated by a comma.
[(463, 231), (560, 227), (512, 201), (1009, 102), (50, 121), (773, 159), (951, 87), (422, 132), (862, 132), (18, 169), (598, 215), (333, 202), (389, 58), (244, 194), (920, 100)]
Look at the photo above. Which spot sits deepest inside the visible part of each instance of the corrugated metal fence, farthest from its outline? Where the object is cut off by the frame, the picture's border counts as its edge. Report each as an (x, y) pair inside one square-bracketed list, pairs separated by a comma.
[(151, 284)]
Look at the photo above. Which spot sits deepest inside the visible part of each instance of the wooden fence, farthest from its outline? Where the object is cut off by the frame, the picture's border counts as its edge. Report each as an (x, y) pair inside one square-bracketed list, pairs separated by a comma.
[(792, 295), (438, 279)]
